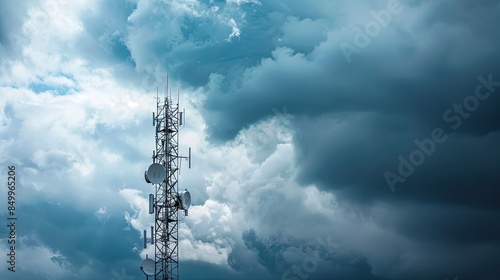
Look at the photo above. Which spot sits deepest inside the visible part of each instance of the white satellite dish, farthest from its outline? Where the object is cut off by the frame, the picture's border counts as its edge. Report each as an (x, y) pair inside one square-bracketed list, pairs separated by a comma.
[(156, 173), (148, 267), (184, 200)]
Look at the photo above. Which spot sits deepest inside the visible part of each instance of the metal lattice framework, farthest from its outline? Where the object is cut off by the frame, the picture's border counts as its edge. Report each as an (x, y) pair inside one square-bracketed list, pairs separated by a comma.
[(166, 211)]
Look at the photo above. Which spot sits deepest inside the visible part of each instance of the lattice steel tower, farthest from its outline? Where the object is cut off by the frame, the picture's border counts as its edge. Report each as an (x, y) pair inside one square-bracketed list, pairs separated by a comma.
[(167, 200)]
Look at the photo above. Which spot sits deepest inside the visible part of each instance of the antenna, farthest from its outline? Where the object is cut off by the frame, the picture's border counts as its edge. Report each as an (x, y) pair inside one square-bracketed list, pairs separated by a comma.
[(166, 201), (151, 204), (148, 267), (184, 201), (152, 234), (156, 173)]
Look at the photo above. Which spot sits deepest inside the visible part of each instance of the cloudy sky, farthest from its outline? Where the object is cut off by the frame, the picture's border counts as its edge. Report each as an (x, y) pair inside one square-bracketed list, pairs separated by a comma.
[(331, 139)]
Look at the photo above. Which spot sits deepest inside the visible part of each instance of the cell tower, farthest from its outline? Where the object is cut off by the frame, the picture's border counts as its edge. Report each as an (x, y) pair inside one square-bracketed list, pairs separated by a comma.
[(167, 200)]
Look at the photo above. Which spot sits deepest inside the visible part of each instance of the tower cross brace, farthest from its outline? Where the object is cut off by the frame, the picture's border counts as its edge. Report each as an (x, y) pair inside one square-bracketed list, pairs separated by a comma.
[(165, 202)]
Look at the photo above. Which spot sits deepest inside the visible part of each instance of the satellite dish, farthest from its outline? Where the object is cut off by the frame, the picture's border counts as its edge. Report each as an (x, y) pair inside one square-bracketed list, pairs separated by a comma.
[(146, 177), (148, 267), (156, 173), (184, 200)]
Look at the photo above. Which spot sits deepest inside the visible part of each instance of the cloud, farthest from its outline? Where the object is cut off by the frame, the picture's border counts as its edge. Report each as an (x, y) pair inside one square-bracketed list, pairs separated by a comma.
[(290, 140)]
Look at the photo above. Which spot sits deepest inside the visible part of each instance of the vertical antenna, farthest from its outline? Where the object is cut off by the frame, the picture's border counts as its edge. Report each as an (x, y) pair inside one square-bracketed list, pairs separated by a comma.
[(166, 89), (151, 204), (152, 234)]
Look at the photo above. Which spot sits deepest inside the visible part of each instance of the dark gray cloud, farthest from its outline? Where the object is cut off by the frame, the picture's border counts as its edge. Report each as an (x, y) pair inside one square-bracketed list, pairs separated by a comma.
[(352, 120), (83, 239), (321, 261)]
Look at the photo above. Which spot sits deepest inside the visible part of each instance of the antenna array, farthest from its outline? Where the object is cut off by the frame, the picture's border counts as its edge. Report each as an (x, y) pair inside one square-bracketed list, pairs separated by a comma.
[(167, 200)]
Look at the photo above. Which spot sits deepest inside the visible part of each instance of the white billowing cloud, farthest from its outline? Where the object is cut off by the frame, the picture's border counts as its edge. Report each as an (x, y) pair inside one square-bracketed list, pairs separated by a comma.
[(71, 142), (45, 42), (320, 202), (57, 15), (48, 263), (235, 30), (65, 145), (141, 218)]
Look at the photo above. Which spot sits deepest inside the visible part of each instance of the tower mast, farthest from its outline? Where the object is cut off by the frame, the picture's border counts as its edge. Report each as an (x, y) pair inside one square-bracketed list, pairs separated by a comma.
[(166, 220), (167, 200)]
